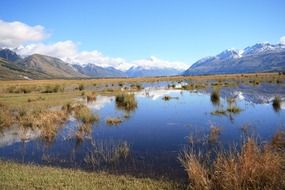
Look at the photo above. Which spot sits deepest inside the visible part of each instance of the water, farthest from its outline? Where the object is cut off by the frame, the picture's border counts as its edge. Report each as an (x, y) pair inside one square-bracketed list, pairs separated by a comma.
[(153, 134)]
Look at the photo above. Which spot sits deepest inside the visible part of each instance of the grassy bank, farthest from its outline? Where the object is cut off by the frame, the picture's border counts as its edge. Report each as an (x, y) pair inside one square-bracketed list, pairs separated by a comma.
[(18, 176)]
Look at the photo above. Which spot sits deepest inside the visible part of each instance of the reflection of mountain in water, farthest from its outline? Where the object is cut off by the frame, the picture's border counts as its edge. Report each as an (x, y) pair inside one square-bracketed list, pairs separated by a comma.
[(261, 94), (14, 134), (156, 93)]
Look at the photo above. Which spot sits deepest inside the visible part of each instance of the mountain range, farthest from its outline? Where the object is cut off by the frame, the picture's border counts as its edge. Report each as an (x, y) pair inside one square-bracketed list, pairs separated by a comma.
[(261, 57)]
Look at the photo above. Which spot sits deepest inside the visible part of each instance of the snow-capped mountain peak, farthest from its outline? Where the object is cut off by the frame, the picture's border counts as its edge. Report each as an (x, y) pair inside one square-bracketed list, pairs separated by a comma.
[(229, 54)]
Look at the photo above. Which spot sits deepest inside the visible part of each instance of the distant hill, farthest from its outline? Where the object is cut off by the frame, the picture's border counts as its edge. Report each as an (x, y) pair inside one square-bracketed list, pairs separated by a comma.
[(92, 70), (262, 57)]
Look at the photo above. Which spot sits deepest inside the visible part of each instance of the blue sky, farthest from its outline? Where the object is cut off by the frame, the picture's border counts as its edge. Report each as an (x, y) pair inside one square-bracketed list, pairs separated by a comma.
[(174, 30)]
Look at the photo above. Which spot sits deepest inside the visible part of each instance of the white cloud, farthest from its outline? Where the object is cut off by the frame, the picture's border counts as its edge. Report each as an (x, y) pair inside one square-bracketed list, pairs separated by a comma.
[(68, 52), (13, 34), (282, 40), (22, 37), (61, 49)]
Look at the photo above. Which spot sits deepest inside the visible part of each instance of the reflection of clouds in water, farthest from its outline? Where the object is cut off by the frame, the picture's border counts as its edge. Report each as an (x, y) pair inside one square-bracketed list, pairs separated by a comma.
[(239, 95), (180, 85), (100, 102), (14, 134), (155, 94)]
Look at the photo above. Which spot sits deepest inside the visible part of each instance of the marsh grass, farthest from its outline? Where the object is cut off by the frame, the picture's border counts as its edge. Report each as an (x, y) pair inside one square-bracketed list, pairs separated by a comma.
[(215, 96), (276, 104), (167, 98), (114, 121), (253, 167), (195, 86), (126, 101), (83, 131), (232, 106), (219, 111), (278, 140), (104, 153), (91, 97), (214, 134), (84, 114)]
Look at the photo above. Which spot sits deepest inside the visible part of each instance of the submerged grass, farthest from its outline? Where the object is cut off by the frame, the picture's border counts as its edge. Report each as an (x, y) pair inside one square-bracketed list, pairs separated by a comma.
[(114, 121), (18, 176)]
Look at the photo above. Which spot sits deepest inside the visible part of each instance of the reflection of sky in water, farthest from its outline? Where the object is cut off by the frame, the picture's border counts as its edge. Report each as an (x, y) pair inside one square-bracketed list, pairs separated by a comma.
[(156, 130)]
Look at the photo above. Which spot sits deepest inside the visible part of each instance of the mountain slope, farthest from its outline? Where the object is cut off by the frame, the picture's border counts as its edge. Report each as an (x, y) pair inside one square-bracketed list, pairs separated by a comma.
[(49, 66), (96, 71), (262, 57), (12, 71)]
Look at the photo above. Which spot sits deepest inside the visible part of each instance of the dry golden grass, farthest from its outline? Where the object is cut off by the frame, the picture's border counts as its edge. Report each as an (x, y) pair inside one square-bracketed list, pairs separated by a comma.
[(254, 167), (85, 115)]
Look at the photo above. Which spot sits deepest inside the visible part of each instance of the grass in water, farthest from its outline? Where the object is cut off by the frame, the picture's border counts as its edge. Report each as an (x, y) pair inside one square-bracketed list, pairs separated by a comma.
[(126, 101), (114, 121), (84, 114), (276, 104)]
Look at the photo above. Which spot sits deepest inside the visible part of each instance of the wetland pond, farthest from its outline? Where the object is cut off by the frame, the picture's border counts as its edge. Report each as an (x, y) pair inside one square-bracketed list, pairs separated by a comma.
[(147, 139)]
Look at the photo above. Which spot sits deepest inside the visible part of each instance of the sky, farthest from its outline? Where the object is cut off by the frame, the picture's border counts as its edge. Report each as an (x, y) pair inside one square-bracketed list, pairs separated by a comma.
[(122, 33)]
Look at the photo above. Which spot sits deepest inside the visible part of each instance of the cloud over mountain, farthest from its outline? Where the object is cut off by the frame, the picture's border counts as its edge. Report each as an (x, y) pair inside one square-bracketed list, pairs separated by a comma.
[(13, 34)]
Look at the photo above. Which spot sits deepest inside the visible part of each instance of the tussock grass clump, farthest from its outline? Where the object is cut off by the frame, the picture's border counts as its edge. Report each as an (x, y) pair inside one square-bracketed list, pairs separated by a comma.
[(20, 89), (126, 101), (53, 89), (81, 87), (278, 140), (47, 121), (83, 131), (136, 87), (276, 103), (219, 112), (194, 86), (253, 167), (166, 98), (114, 121), (107, 152), (91, 97), (214, 134), (232, 107), (84, 114), (6, 119), (215, 96)]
